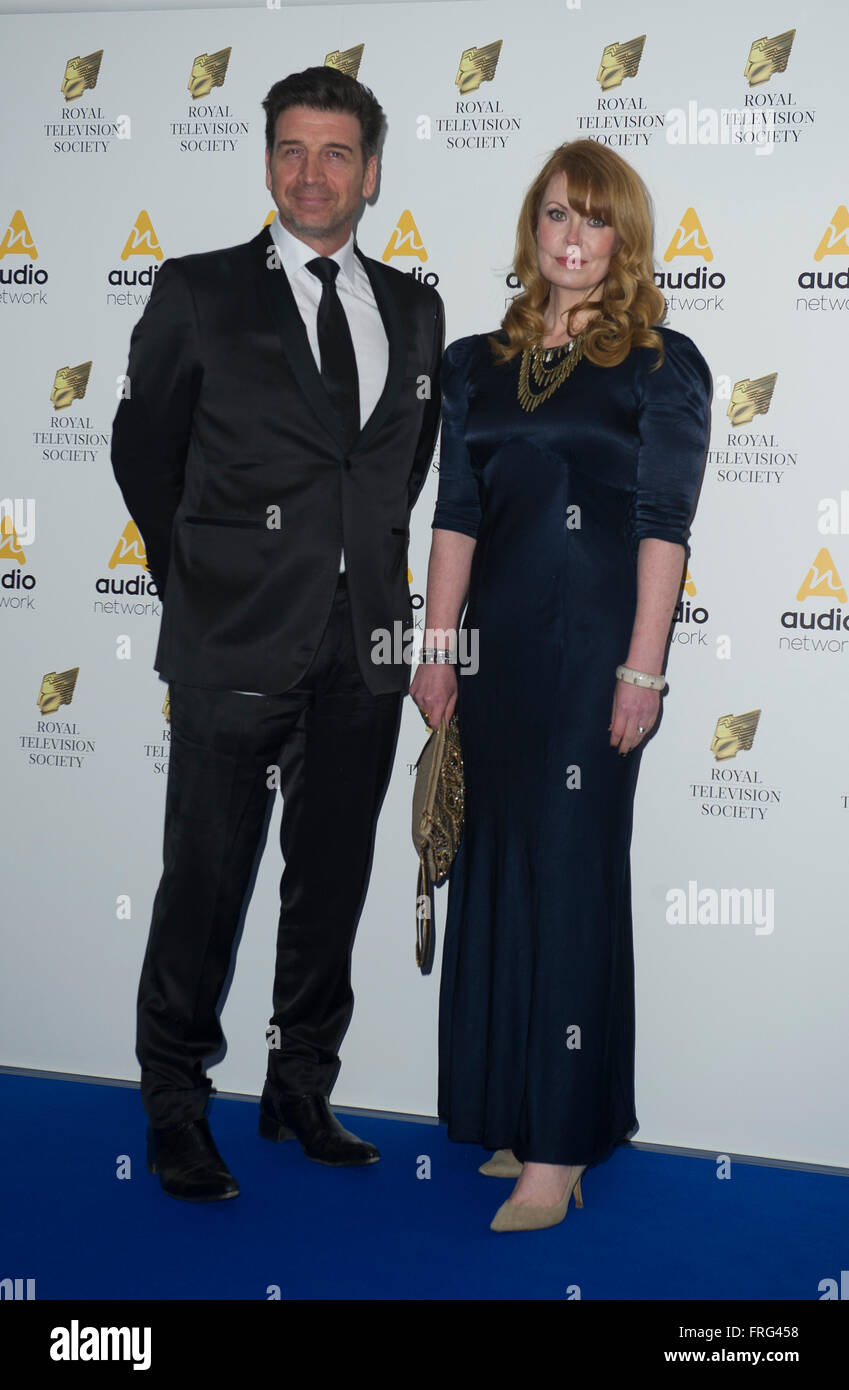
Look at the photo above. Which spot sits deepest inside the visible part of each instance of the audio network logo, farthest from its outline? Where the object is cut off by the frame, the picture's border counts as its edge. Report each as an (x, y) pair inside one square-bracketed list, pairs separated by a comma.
[(16, 585), (733, 793), (80, 129), (17, 240), (129, 550), (688, 622), (417, 604), (833, 242), (688, 241), (142, 241), (750, 456), (476, 122), (406, 240), (616, 119), (57, 743), (821, 582), (208, 127), (70, 438)]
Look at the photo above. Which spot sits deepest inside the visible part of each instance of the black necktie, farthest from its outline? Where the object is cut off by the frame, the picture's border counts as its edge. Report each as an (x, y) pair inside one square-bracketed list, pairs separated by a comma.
[(338, 362)]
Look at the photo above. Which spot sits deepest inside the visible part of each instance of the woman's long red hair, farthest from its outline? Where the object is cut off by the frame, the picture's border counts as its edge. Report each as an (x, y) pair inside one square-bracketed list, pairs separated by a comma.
[(600, 184)]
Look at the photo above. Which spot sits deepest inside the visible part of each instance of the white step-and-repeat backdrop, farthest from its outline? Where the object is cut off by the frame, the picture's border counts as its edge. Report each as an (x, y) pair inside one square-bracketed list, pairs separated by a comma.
[(128, 138)]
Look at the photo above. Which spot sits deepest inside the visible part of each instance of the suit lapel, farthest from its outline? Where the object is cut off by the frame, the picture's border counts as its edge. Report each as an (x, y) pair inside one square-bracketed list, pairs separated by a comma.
[(394, 325), (276, 292)]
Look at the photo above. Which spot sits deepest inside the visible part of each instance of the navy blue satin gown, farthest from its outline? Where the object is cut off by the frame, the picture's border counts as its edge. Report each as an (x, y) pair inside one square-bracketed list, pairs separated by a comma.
[(536, 1026)]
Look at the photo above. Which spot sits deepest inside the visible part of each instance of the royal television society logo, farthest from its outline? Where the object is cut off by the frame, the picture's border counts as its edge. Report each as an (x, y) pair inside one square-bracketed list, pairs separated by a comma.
[(208, 70), (825, 629), (157, 752), (135, 595), (207, 126), (141, 241), (478, 120), (346, 60), (834, 241), (81, 75), (771, 111), (77, 127), (738, 793), (56, 742), (621, 119), (69, 438), (16, 579), (689, 242), (70, 384), (764, 115), (477, 65), (618, 61), (21, 282), (750, 455), (768, 56), (406, 242)]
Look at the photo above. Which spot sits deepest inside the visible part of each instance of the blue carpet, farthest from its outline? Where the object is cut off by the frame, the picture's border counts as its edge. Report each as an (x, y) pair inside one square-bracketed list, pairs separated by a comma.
[(655, 1226)]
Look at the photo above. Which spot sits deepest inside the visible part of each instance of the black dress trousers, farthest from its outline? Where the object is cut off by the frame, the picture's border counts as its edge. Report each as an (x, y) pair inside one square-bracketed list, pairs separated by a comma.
[(333, 741)]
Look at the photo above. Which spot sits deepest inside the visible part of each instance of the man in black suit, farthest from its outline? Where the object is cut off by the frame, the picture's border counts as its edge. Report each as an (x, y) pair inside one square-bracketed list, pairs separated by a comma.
[(281, 415)]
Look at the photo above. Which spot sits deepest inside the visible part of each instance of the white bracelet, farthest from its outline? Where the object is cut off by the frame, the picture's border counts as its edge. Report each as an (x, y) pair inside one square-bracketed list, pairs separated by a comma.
[(642, 678)]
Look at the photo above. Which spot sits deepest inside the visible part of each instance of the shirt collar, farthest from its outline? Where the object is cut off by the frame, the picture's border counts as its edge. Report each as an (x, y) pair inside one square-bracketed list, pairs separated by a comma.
[(294, 253)]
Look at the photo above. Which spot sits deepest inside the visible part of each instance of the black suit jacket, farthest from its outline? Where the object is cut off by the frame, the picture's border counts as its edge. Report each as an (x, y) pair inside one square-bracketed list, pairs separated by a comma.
[(233, 465)]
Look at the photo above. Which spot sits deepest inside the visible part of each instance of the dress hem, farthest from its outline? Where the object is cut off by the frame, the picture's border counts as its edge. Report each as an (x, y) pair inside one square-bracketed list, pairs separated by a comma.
[(488, 1142)]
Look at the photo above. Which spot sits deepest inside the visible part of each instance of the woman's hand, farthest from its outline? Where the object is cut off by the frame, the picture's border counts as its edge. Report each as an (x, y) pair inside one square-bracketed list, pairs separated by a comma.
[(633, 716), (434, 690)]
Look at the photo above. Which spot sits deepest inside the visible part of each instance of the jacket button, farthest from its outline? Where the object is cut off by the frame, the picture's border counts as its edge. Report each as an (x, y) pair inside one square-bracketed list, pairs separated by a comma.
[(347, 465)]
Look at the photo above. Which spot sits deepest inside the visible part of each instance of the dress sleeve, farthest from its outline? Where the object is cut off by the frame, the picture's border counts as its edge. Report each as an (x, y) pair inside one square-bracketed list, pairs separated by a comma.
[(457, 503), (673, 425)]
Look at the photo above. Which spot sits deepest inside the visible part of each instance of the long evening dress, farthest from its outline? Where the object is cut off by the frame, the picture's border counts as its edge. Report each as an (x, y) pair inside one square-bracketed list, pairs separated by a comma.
[(536, 1028)]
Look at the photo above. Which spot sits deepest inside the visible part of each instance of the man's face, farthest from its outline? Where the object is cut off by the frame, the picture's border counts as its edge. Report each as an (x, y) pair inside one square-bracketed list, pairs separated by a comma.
[(316, 175)]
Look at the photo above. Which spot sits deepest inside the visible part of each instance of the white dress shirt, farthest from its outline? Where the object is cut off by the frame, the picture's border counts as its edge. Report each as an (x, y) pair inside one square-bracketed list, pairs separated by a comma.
[(368, 335), (356, 296)]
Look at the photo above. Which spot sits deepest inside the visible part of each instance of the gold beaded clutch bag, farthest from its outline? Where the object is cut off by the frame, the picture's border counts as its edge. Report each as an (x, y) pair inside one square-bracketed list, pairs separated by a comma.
[(438, 800)]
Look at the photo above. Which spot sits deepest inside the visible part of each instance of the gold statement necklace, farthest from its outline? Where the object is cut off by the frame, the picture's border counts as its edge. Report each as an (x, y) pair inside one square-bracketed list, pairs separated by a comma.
[(543, 370)]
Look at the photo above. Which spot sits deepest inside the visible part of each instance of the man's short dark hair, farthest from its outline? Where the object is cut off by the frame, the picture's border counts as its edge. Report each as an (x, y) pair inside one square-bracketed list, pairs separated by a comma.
[(326, 89)]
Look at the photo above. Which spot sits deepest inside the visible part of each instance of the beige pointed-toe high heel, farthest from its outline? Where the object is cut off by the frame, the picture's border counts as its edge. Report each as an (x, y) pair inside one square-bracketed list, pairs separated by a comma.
[(512, 1217), (503, 1164)]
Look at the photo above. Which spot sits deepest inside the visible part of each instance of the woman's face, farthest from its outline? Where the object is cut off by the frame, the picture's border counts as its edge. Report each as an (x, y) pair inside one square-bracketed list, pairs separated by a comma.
[(573, 252)]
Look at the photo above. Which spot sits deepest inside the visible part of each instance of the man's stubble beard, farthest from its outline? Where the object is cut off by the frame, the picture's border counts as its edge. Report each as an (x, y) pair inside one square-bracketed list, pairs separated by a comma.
[(322, 231)]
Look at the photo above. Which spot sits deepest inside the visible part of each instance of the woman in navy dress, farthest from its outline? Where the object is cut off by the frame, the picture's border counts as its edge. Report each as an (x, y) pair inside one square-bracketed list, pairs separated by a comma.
[(573, 442)]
